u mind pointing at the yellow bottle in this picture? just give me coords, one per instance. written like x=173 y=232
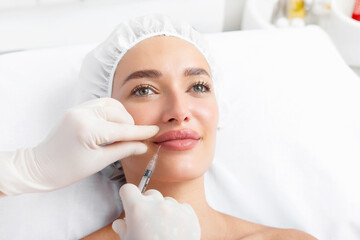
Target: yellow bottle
x=296 y=9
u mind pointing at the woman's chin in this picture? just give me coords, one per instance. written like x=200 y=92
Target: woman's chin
x=171 y=166
x=179 y=171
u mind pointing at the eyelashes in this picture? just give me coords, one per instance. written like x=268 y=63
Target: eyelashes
x=143 y=90
x=201 y=87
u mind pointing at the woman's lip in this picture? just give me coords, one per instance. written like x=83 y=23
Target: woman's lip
x=182 y=134
x=179 y=144
x=178 y=140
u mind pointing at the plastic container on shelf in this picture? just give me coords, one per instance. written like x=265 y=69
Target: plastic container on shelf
x=356 y=12
x=334 y=16
x=344 y=31
x=268 y=14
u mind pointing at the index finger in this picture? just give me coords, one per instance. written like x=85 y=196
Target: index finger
x=115 y=132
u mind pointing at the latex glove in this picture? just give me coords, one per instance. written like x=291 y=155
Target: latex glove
x=151 y=216
x=72 y=150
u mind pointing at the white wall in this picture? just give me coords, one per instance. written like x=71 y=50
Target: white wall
x=10 y=4
x=80 y=22
x=22 y=24
x=233 y=11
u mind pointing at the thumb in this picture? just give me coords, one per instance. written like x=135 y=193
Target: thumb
x=119 y=226
x=120 y=150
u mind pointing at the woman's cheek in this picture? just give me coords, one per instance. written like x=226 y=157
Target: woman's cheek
x=207 y=113
x=143 y=113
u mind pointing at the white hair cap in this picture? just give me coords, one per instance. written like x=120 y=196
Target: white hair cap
x=98 y=68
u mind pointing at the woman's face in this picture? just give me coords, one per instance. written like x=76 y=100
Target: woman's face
x=165 y=81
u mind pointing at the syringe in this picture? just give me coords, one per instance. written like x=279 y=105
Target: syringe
x=148 y=171
x=147 y=174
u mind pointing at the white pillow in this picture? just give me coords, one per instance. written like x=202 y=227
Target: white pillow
x=36 y=87
x=287 y=156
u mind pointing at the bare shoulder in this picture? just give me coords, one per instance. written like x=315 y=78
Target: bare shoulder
x=245 y=230
x=278 y=234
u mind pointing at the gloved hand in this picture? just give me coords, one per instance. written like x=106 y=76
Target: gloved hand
x=151 y=216
x=72 y=150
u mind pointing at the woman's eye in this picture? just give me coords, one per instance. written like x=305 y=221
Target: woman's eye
x=200 y=87
x=143 y=90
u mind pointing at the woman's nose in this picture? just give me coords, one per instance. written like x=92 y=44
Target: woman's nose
x=176 y=110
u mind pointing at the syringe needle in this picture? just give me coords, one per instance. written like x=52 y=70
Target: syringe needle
x=148 y=171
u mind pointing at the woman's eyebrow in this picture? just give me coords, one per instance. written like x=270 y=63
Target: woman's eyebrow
x=195 y=72
x=143 y=74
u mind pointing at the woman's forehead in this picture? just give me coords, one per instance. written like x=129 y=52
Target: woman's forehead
x=161 y=49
